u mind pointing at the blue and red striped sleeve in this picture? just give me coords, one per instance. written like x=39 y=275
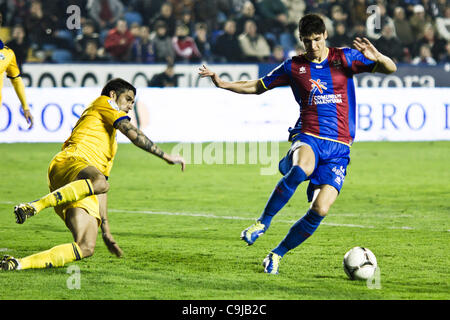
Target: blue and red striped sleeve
x=357 y=62
x=278 y=77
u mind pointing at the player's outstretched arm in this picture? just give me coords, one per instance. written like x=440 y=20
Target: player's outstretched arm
x=385 y=64
x=140 y=140
x=19 y=87
x=108 y=239
x=243 y=87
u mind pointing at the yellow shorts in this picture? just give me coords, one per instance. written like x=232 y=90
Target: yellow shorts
x=63 y=169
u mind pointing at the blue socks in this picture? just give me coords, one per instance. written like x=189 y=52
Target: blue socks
x=299 y=232
x=282 y=193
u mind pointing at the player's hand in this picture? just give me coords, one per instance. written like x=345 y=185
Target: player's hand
x=205 y=72
x=170 y=159
x=111 y=244
x=366 y=48
x=29 y=118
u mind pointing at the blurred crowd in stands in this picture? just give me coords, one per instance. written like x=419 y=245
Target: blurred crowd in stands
x=218 y=31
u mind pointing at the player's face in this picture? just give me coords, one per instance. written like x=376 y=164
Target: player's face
x=315 y=45
x=125 y=101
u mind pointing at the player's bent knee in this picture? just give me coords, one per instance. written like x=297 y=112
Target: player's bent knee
x=87 y=249
x=100 y=185
x=322 y=210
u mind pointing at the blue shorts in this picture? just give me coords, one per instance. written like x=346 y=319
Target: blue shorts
x=330 y=168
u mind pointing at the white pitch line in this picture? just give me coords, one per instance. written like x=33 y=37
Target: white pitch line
x=211 y=216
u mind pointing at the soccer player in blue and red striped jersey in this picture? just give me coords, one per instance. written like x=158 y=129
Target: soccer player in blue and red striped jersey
x=322 y=83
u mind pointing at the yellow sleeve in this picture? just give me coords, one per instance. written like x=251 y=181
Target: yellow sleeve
x=19 y=87
x=12 y=71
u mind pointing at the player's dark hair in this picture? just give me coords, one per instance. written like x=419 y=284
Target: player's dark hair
x=119 y=86
x=311 y=24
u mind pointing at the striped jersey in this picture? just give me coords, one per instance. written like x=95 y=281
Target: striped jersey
x=324 y=90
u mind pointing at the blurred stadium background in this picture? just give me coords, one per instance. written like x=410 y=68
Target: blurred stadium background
x=156 y=43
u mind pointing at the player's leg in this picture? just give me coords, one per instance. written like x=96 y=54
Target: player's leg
x=325 y=196
x=89 y=181
x=84 y=230
x=303 y=160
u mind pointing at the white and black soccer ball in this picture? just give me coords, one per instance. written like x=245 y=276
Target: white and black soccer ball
x=360 y=263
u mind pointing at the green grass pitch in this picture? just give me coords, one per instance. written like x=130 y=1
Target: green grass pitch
x=180 y=231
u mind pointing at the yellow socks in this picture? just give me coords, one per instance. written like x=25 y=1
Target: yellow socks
x=55 y=257
x=71 y=192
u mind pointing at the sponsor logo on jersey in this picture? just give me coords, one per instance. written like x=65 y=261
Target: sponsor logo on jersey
x=317 y=95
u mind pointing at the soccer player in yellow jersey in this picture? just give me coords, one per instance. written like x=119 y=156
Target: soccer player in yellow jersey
x=8 y=64
x=77 y=178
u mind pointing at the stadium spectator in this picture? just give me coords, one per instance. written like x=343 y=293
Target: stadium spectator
x=105 y=13
x=337 y=15
x=165 y=79
x=274 y=13
x=206 y=11
x=227 y=47
x=278 y=55
x=142 y=50
x=425 y=57
x=19 y=44
x=92 y=53
x=118 y=42
x=403 y=28
x=162 y=44
x=179 y=7
x=188 y=20
x=254 y=47
x=202 y=42
x=340 y=38
x=275 y=28
x=418 y=20
x=436 y=45
x=135 y=29
x=40 y=28
x=247 y=13
x=87 y=34
x=443 y=24
x=166 y=15
x=295 y=10
x=147 y=9
x=389 y=45
x=185 y=48
x=358 y=12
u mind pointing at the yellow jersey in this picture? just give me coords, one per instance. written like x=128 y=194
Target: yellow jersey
x=8 y=64
x=94 y=135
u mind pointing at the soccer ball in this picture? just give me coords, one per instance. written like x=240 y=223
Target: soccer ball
x=360 y=263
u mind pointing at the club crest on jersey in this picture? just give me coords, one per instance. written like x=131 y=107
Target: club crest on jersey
x=302 y=70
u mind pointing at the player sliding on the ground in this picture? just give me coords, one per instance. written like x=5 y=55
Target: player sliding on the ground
x=78 y=176
x=322 y=84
